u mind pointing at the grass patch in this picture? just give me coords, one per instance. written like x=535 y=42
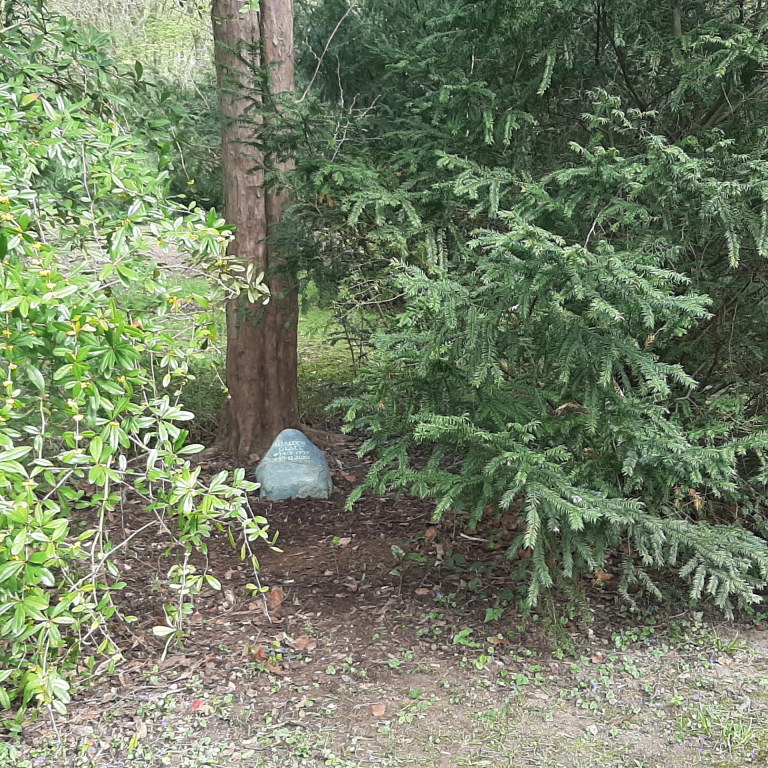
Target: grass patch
x=326 y=368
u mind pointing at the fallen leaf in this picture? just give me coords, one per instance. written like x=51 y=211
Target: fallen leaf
x=141 y=728
x=274 y=669
x=350 y=478
x=260 y=653
x=598 y=658
x=760 y=627
x=228 y=575
x=86 y=716
x=430 y=533
x=724 y=660
x=305 y=644
x=378 y=710
x=196 y=705
x=560 y=408
x=422 y=591
x=345 y=542
x=601 y=577
x=275 y=598
x=327 y=573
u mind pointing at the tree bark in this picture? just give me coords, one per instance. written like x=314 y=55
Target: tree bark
x=261 y=362
x=677 y=18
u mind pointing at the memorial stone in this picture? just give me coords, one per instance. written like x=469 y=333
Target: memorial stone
x=294 y=468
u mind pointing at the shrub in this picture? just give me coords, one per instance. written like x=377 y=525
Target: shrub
x=83 y=419
x=559 y=211
x=533 y=366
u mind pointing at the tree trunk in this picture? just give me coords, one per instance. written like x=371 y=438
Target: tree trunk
x=677 y=18
x=261 y=339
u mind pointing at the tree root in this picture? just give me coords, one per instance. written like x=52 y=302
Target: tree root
x=323 y=439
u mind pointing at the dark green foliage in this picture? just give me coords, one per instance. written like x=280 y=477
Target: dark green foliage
x=194 y=150
x=564 y=203
x=553 y=215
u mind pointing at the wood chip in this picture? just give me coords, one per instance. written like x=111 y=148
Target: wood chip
x=141 y=728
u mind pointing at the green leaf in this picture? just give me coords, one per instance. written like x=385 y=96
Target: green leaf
x=15 y=453
x=10 y=568
x=36 y=377
x=96 y=447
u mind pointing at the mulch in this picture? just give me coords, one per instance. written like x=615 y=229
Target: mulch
x=371 y=587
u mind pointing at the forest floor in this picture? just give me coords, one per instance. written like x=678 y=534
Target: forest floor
x=390 y=642
x=362 y=657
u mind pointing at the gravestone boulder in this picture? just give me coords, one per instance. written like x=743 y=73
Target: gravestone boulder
x=294 y=468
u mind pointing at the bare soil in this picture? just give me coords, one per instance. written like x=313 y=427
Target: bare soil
x=365 y=655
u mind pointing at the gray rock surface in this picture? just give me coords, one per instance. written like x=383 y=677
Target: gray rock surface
x=294 y=468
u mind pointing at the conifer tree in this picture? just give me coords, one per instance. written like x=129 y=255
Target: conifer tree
x=563 y=205
x=261 y=337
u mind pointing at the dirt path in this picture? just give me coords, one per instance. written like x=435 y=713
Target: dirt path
x=369 y=658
